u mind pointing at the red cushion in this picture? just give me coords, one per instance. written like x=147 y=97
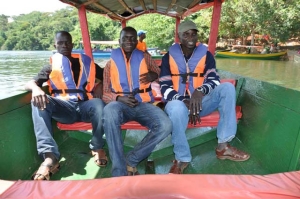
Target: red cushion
x=233 y=81
x=209 y=120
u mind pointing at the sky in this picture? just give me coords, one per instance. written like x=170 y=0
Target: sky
x=17 y=7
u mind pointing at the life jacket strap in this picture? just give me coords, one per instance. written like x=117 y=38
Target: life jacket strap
x=185 y=75
x=59 y=91
x=136 y=91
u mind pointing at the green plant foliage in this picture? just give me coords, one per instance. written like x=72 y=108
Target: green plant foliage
x=277 y=18
x=239 y=19
x=160 y=29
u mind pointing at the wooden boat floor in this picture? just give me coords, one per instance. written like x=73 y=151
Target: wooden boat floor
x=78 y=164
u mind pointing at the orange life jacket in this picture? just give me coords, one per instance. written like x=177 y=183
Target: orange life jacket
x=187 y=76
x=61 y=82
x=125 y=76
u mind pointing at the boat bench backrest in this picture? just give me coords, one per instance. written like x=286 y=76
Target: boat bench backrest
x=210 y=120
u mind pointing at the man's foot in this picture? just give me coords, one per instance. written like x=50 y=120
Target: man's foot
x=178 y=167
x=100 y=157
x=49 y=167
x=132 y=171
x=231 y=153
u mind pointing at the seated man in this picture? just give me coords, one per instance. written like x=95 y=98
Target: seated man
x=127 y=92
x=190 y=84
x=71 y=101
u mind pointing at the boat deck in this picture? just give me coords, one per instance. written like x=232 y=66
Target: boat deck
x=268 y=130
x=77 y=163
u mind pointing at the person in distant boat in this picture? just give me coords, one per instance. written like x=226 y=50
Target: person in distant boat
x=273 y=49
x=128 y=94
x=71 y=80
x=141 y=43
x=191 y=87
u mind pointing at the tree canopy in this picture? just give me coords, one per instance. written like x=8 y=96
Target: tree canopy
x=239 y=19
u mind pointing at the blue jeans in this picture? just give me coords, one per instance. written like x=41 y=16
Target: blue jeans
x=221 y=98
x=66 y=112
x=148 y=115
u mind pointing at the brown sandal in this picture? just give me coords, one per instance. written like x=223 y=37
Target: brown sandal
x=235 y=155
x=178 y=167
x=100 y=157
x=132 y=171
x=45 y=171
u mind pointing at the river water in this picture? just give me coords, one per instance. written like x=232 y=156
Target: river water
x=18 y=67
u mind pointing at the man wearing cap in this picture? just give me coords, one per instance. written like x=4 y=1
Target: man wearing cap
x=191 y=86
x=141 y=44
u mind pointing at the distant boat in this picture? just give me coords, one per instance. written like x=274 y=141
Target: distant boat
x=106 y=53
x=259 y=56
x=97 y=53
x=270 y=56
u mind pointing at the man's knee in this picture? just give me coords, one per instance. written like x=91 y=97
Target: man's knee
x=227 y=87
x=175 y=107
x=112 y=106
x=112 y=110
x=98 y=104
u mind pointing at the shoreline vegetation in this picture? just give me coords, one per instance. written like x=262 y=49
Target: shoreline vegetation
x=34 y=31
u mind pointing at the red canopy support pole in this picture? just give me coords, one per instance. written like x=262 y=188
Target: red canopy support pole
x=123 y=23
x=214 y=28
x=85 y=31
x=176 y=40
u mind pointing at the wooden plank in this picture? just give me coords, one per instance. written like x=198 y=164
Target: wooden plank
x=126 y=7
x=143 y=4
x=108 y=11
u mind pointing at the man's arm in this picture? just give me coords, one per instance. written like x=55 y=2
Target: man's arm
x=211 y=77
x=152 y=67
x=99 y=72
x=39 y=97
x=165 y=80
x=108 y=95
x=39 y=79
x=98 y=89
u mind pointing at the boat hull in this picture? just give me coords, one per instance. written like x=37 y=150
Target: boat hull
x=271 y=56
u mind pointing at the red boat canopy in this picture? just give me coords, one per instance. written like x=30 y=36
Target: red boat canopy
x=123 y=11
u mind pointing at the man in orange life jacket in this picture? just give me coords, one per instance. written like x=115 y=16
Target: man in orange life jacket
x=71 y=79
x=127 y=92
x=141 y=43
x=190 y=84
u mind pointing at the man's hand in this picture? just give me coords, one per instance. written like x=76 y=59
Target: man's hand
x=192 y=118
x=187 y=103
x=148 y=77
x=39 y=98
x=98 y=90
x=128 y=100
x=195 y=107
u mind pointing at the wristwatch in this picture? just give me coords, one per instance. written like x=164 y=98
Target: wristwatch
x=201 y=89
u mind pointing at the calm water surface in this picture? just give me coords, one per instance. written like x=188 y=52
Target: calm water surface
x=18 y=67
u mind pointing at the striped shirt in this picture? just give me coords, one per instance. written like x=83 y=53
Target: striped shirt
x=211 y=78
x=108 y=95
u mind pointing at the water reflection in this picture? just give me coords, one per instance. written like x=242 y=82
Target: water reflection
x=283 y=73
